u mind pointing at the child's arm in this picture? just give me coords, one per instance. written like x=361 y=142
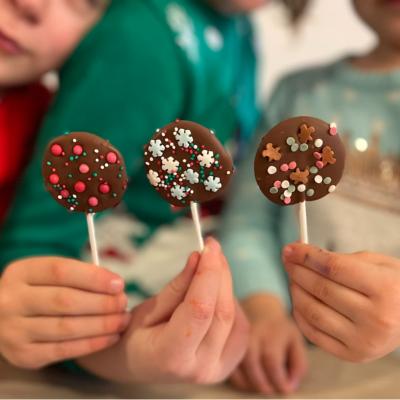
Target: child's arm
x=251 y=237
x=193 y=331
x=348 y=304
x=52 y=309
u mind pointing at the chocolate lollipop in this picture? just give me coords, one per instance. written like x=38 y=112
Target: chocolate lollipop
x=187 y=165
x=300 y=159
x=84 y=173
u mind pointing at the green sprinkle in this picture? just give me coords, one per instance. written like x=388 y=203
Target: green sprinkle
x=310 y=192
x=90 y=210
x=122 y=168
x=292 y=188
x=84 y=153
x=313 y=170
x=304 y=147
x=94 y=174
x=217 y=156
x=290 y=141
x=69 y=175
x=71 y=158
x=48 y=163
x=327 y=180
x=274 y=190
x=294 y=147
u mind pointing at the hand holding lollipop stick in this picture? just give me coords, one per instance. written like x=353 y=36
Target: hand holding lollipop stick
x=84 y=173
x=301 y=159
x=187 y=165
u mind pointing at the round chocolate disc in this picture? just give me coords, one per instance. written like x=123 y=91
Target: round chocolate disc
x=185 y=162
x=83 y=172
x=300 y=159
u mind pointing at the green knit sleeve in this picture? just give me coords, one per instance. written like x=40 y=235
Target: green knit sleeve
x=114 y=85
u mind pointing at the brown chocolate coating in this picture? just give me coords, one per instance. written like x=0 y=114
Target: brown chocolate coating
x=300 y=159
x=84 y=172
x=185 y=162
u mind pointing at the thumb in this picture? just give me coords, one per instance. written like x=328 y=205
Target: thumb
x=173 y=294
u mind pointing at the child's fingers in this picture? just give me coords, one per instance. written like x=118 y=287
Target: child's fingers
x=237 y=343
x=49 y=353
x=53 y=271
x=224 y=316
x=238 y=379
x=53 y=301
x=192 y=319
x=256 y=374
x=343 y=269
x=173 y=294
x=274 y=364
x=297 y=362
x=58 y=329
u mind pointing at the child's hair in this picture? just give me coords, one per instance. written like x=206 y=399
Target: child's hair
x=295 y=8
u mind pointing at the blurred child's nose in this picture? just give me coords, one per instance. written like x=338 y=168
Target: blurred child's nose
x=31 y=10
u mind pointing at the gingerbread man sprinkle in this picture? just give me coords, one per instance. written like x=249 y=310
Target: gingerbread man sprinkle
x=273 y=153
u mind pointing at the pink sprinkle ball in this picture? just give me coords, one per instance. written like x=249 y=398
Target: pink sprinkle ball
x=333 y=130
x=93 y=201
x=104 y=188
x=292 y=165
x=64 y=193
x=54 y=179
x=84 y=168
x=79 y=187
x=111 y=157
x=284 y=168
x=319 y=164
x=287 y=200
x=277 y=184
x=317 y=155
x=56 y=150
x=77 y=150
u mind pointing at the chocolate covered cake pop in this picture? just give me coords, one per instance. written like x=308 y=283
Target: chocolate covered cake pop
x=84 y=172
x=186 y=163
x=300 y=159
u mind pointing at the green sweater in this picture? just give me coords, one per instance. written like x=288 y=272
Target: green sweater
x=364 y=211
x=145 y=64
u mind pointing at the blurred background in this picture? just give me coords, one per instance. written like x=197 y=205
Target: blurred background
x=328 y=30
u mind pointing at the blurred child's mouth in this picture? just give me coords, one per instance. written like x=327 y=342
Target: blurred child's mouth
x=9 y=45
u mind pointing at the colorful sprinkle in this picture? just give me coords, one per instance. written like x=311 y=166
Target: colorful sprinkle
x=290 y=141
x=278 y=184
x=284 y=168
x=294 y=147
x=273 y=190
x=93 y=201
x=319 y=164
x=328 y=180
x=287 y=200
x=304 y=147
x=318 y=179
x=104 y=188
x=54 y=179
x=285 y=184
x=332 y=129
x=292 y=188
x=332 y=188
x=318 y=143
x=79 y=187
x=301 y=188
x=111 y=157
x=77 y=150
x=292 y=165
x=313 y=169
x=317 y=155
x=310 y=192
x=56 y=150
x=84 y=168
x=272 y=170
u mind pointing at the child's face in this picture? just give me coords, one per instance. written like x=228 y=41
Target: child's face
x=237 y=6
x=383 y=16
x=37 y=36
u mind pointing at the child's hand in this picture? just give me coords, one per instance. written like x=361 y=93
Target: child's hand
x=347 y=304
x=52 y=309
x=193 y=331
x=276 y=359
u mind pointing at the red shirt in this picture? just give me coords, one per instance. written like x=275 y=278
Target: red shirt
x=21 y=111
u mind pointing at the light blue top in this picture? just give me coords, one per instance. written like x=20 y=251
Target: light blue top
x=364 y=213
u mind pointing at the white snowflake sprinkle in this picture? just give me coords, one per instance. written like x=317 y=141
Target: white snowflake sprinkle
x=184 y=137
x=156 y=147
x=153 y=177
x=191 y=176
x=170 y=165
x=206 y=158
x=178 y=192
x=213 y=184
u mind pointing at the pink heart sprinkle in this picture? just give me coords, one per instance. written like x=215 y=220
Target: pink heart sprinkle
x=287 y=200
x=317 y=155
x=277 y=184
x=319 y=164
x=333 y=130
x=292 y=165
x=284 y=167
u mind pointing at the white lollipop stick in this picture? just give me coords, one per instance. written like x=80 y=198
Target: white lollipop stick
x=92 y=238
x=302 y=210
x=197 y=225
